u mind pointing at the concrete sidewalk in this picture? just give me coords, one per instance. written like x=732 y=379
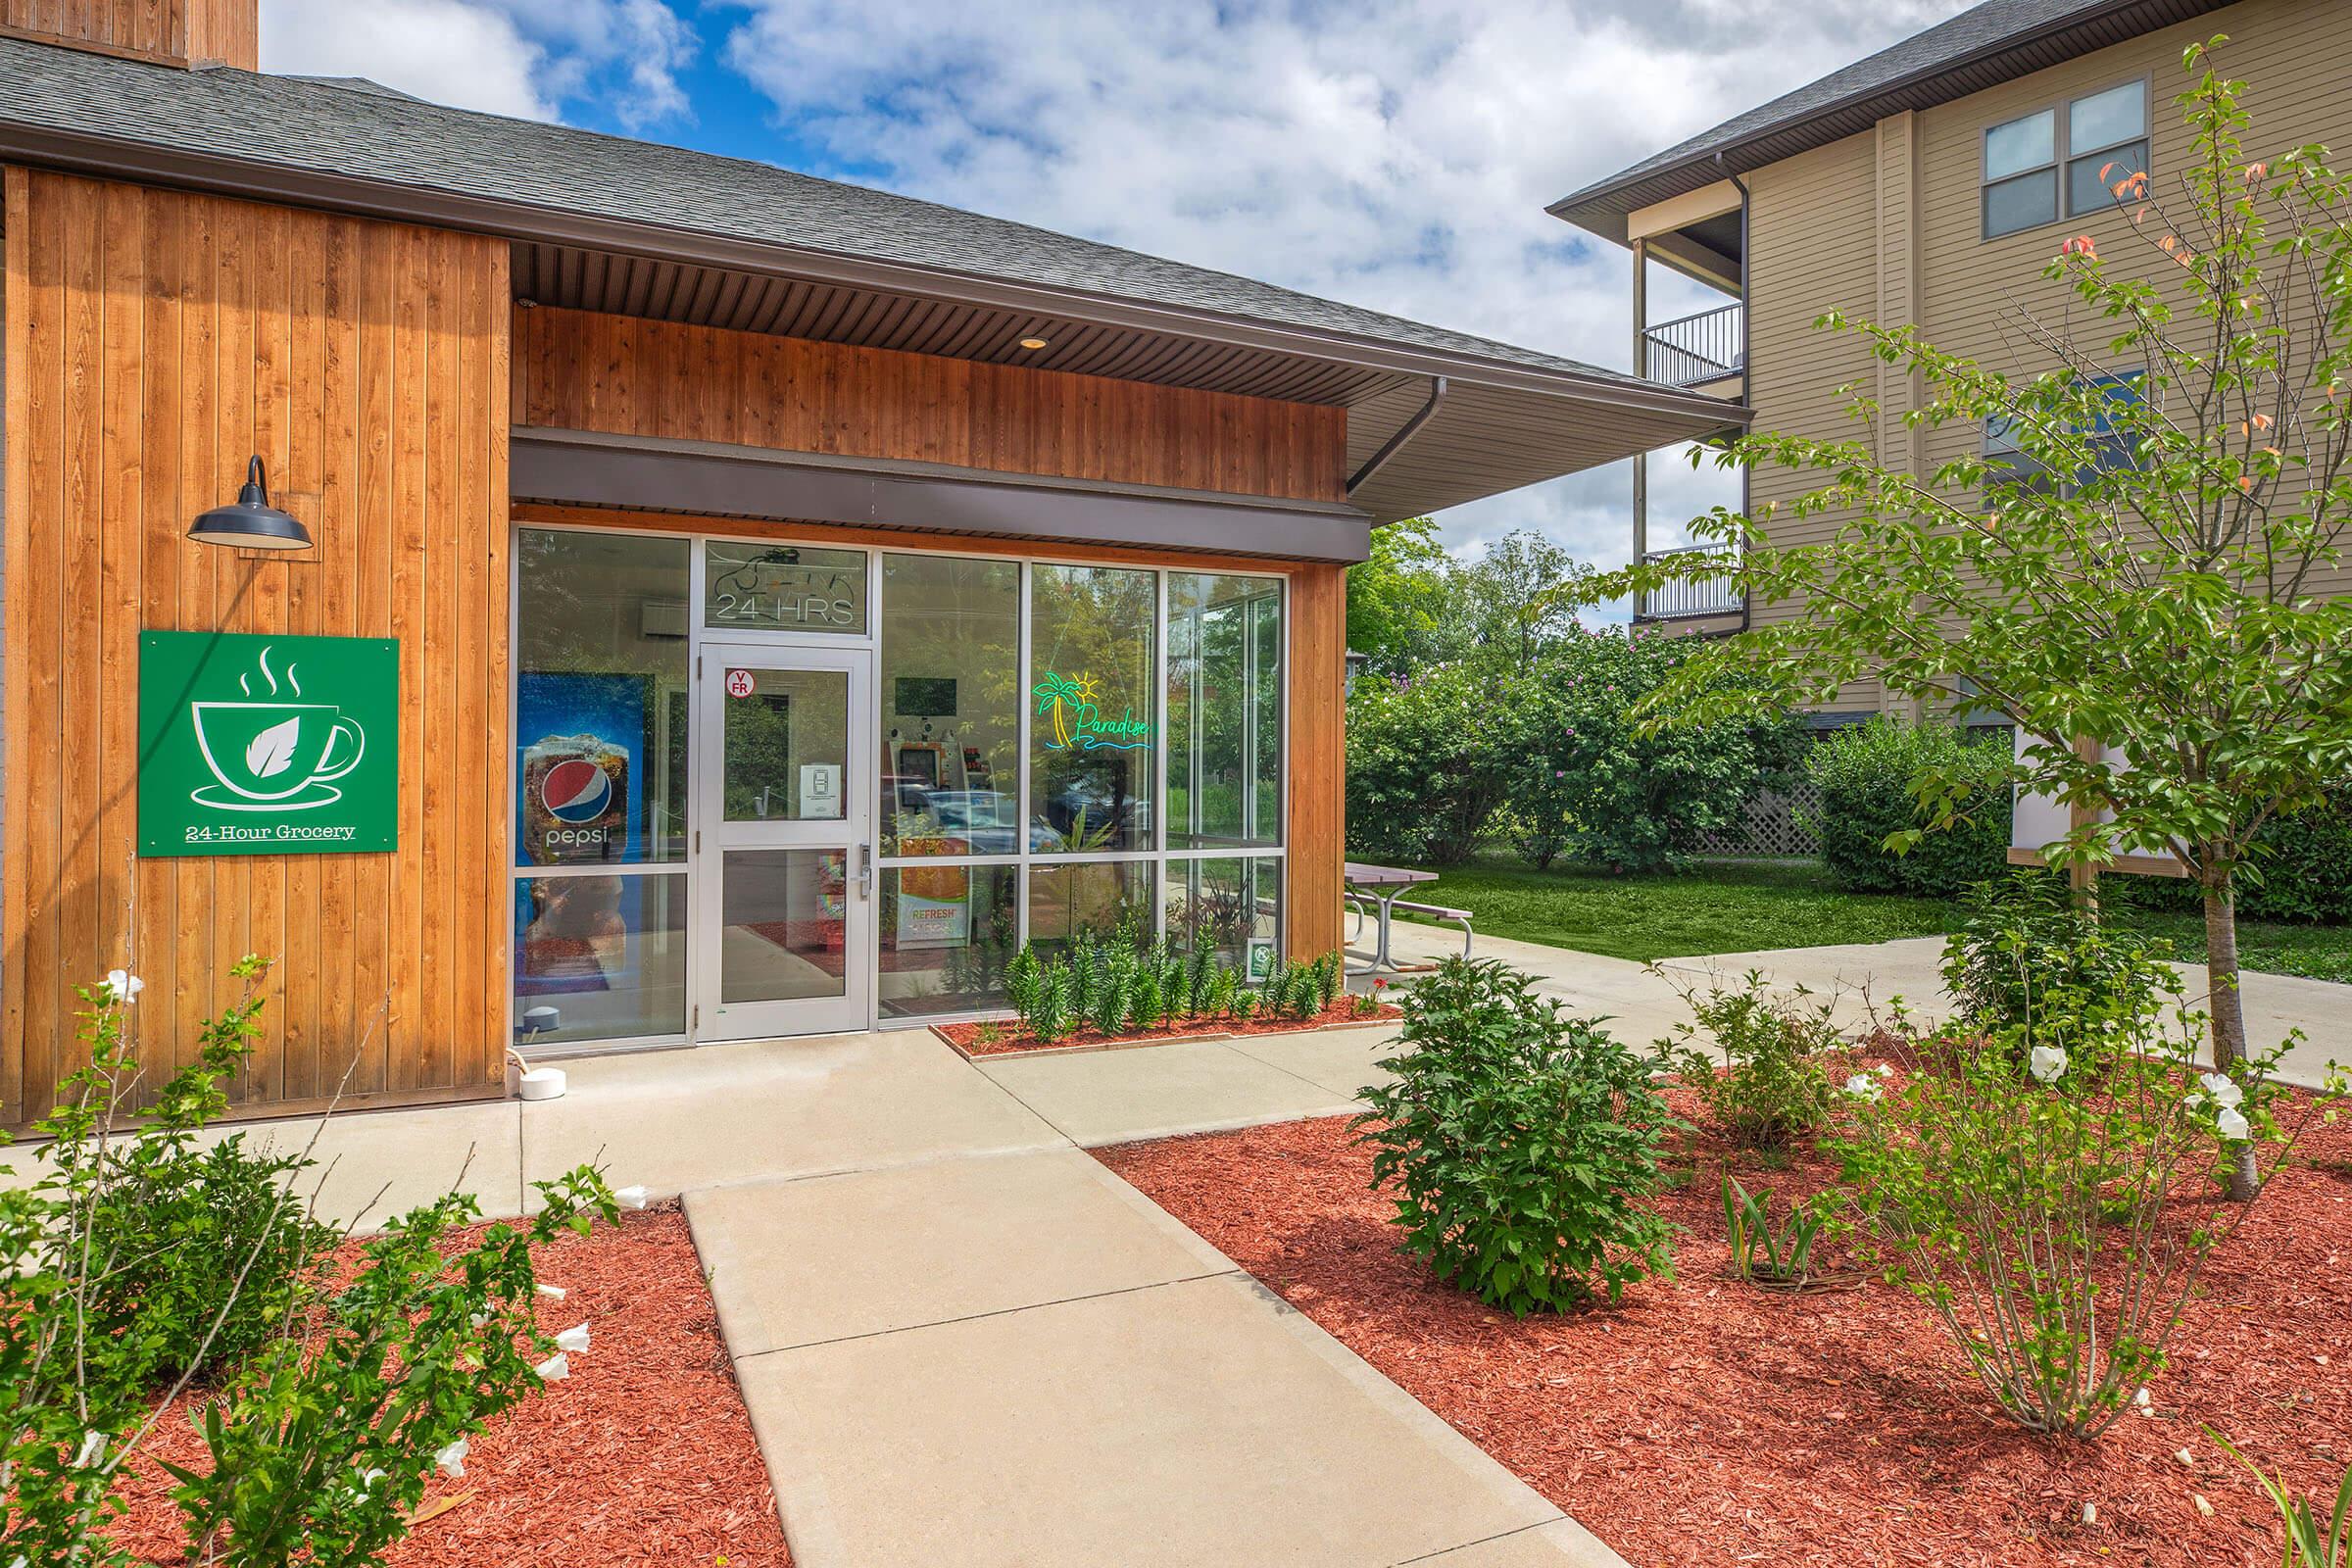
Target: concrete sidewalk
x=1645 y=1002
x=1018 y=1360
x=964 y=1342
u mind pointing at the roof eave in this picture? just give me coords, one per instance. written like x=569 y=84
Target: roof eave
x=152 y=163
x=1723 y=159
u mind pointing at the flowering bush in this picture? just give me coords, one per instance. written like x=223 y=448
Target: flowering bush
x=341 y=1397
x=2049 y=1191
x=1521 y=1143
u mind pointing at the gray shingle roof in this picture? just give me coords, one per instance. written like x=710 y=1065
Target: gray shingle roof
x=361 y=131
x=1992 y=42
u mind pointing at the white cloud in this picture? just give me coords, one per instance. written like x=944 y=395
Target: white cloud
x=1395 y=153
x=509 y=57
x=447 y=50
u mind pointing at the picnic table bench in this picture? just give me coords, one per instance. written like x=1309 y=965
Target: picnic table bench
x=1386 y=885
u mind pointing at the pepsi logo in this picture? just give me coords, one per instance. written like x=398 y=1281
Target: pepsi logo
x=575 y=791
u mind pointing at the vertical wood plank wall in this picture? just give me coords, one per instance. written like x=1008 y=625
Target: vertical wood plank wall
x=1318 y=760
x=173 y=32
x=155 y=340
x=624 y=376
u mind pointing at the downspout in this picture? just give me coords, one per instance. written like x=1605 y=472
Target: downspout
x=1748 y=338
x=1404 y=432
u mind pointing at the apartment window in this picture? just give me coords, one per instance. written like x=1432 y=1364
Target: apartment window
x=2021 y=173
x=2107 y=131
x=2109 y=444
x=2029 y=158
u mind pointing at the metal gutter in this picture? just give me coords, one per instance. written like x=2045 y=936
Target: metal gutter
x=1404 y=432
x=117 y=158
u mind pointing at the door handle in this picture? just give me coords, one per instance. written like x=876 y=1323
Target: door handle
x=865 y=871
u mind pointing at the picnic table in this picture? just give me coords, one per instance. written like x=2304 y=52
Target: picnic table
x=1386 y=884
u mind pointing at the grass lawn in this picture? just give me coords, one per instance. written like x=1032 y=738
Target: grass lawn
x=1742 y=908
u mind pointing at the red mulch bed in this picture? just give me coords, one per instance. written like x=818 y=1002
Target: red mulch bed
x=966 y=1037
x=643 y=1456
x=1708 y=1422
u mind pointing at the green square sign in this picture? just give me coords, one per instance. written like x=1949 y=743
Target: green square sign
x=268 y=745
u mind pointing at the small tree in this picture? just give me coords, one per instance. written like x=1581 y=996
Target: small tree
x=2149 y=570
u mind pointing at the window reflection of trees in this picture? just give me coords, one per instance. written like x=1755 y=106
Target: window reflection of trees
x=1093 y=626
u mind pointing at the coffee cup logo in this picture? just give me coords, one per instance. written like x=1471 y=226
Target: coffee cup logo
x=270 y=754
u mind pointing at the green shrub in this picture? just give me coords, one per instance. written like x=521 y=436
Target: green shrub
x=1867 y=776
x=1600 y=787
x=2299 y=871
x=331 y=1399
x=1778 y=1056
x=2044 y=1200
x=1521 y=1143
x=1022 y=981
x=1432 y=756
x=2020 y=942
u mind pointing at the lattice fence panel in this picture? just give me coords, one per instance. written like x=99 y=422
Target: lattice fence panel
x=1769 y=826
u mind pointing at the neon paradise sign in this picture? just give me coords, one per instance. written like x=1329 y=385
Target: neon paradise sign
x=1078 y=724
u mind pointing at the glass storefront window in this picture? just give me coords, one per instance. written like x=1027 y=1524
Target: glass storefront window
x=783 y=587
x=950 y=708
x=1092 y=727
x=600 y=699
x=948 y=932
x=1231 y=909
x=599 y=958
x=787 y=745
x=782 y=924
x=605 y=630
x=1224 y=710
x=1110 y=899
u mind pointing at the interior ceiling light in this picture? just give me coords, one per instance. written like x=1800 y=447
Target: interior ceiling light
x=1032 y=342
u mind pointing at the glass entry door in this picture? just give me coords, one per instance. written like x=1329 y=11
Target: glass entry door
x=784 y=859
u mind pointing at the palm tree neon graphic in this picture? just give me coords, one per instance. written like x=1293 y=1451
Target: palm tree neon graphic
x=1077 y=725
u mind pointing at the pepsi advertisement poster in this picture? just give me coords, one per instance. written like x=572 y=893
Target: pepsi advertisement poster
x=583 y=743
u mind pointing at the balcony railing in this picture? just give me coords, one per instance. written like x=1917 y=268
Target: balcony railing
x=1692 y=598
x=1702 y=348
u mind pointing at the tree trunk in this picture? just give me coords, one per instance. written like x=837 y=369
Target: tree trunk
x=2228 y=1008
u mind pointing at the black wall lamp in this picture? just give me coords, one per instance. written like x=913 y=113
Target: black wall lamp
x=252 y=522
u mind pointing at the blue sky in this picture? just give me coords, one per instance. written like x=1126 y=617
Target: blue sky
x=1393 y=153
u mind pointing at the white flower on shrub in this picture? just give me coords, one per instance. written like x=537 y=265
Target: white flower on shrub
x=553 y=1293
x=2232 y=1125
x=555 y=1370
x=1862 y=1086
x=120 y=985
x=451 y=1459
x=1884 y=1069
x=93 y=1449
x=2223 y=1089
x=2047 y=1063
x=632 y=1197
x=574 y=1339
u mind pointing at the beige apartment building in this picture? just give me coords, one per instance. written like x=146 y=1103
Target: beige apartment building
x=1929 y=183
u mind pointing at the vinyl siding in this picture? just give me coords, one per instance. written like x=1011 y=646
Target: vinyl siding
x=1816 y=254
x=1887 y=225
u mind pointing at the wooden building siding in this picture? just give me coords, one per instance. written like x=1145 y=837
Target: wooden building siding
x=1314 y=832
x=155 y=340
x=175 y=32
x=1887 y=227
x=627 y=376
